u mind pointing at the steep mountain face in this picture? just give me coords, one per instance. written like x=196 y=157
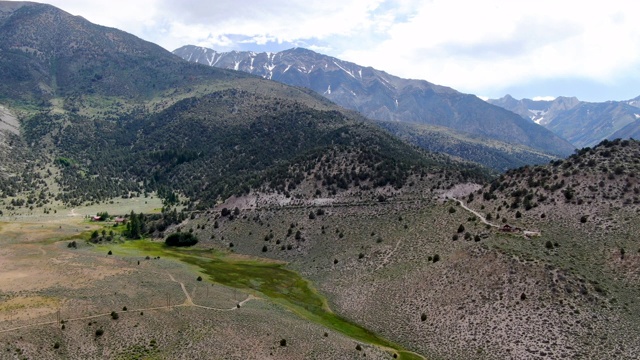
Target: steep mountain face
x=47 y=53
x=116 y=115
x=381 y=96
x=582 y=123
x=230 y=143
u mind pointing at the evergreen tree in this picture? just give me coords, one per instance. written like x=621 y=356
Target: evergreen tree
x=134 y=228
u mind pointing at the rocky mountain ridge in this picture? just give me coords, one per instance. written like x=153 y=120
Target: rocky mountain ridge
x=381 y=96
x=581 y=123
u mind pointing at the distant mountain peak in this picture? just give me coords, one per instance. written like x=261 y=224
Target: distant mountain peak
x=381 y=96
x=582 y=123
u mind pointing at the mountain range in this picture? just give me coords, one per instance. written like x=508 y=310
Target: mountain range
x=581 y=123
x=99 y=101
x=381 y=96
x=319 y=233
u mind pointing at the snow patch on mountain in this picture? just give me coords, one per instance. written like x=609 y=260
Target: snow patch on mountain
x=211 y=61
x=345 y=70
x=538 y=116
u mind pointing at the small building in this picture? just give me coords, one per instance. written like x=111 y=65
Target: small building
x=120 y=220
x=508 y=228
x=96 y=218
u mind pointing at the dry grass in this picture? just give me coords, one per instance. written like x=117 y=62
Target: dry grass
x=372 y=261
x=43 y=280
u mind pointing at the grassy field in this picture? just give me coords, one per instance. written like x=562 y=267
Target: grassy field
x=267 y=279
x=355 y=280
x=43 y=281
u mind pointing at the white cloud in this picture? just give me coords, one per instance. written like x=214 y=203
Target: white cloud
x=472 y=46
x=479 y=46
x=543 y=98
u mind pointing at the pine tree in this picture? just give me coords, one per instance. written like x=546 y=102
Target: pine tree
x=133 y=226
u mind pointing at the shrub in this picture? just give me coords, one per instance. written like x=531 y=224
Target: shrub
x=99 y=332
x=181 y=239
x=114 y=315
x=518 y=214
x=568 y=193
x=461 y=228
x=583 y=219
x=455 y=237
x=110 y=253
x=264 y=248
x=358 y=347
x=56 y=345
x=548 y=245
x=436 y=258
x=312 y=215
x=452 y=210
x=283 y=342
x=423 y=317
x=199 y=278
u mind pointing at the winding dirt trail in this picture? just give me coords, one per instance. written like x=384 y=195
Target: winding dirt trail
x=525 y=233
x=187 y=302
x=480 y=216
x=385 y=261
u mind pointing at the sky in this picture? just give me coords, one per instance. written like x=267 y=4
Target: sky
x=528 y=49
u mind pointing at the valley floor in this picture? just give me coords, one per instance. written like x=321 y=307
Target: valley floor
x=402 y=269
